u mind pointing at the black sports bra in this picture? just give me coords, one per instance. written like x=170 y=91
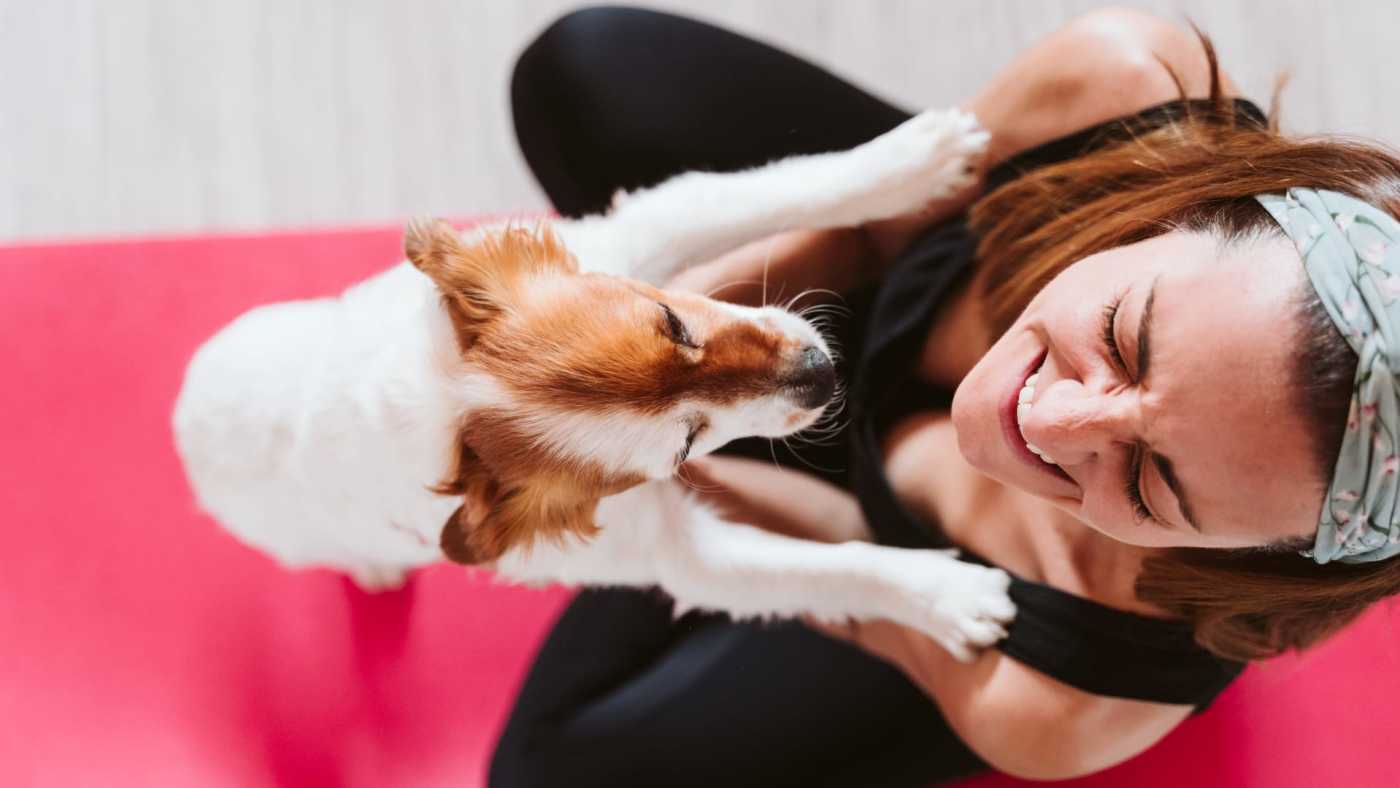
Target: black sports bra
x=1085 y=644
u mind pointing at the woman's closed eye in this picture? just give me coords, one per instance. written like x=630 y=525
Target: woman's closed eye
x=1133 y=490
x=1108 y=329
x=1132 y=487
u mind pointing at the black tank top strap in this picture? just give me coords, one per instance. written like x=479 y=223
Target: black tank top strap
x=1107 y=651
x=1087 y=645
x=1072 y=146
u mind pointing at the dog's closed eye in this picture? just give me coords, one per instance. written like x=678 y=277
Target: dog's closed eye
x=696 y=427
x=676 y=330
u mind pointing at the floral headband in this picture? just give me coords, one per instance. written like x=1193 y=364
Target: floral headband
x=1351 y=252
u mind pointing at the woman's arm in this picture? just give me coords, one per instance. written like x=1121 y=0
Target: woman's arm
x=1017 y=719
x=1103 y=65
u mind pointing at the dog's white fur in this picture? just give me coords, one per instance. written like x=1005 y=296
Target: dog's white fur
x=312 y=430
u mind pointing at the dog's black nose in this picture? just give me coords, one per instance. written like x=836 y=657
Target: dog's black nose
x=814 y=379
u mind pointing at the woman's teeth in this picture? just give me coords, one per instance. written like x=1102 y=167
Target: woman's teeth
x=1023 y=406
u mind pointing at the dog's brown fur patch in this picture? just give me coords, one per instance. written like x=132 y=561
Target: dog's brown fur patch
x=520 y=495
x=479 y=279
x=597 y=343
x=560 y=340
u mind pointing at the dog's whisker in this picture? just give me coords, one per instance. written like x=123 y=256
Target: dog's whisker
x=817 y=291
x=819 y=311
x=797 y=298
x=827 y=429
x=773 y=452
x=692 y=484
x=806 y=461
x=827 y=310
x=823 y=431
x=736 y=283
x=825 y=436
x=820 y=428
x=823 y=304
x=828 y=291
x=767 y=259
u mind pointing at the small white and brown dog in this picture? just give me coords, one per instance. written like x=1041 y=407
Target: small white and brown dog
x=522 y=399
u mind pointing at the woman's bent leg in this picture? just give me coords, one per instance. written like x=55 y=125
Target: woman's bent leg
x=621 y=696
x=619 y=98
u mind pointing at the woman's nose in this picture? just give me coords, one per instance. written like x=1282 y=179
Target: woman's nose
x=1070 y=422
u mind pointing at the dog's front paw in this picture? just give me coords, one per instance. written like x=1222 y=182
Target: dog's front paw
x=928 y=157
x=964 y=607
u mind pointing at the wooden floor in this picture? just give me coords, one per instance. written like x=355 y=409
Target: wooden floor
x=139 y=116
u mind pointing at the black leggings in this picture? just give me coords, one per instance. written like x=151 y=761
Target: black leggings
x=621 y=694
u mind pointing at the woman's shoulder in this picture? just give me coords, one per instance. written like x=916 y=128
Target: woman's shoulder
x=1102 y=66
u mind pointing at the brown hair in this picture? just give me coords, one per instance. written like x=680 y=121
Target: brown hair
x=1200 y=173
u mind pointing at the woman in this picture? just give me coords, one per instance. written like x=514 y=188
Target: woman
x=1184 y=398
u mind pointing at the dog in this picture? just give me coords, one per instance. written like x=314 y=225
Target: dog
x=522 y=398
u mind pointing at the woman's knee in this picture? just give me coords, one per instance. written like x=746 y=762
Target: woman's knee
x=572 y=54
x=564 y=94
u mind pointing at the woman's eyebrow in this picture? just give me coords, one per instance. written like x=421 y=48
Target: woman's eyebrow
x=1144 y=356
x=1144 y=343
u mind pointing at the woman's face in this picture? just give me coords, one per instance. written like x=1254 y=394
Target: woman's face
x=1188 y=407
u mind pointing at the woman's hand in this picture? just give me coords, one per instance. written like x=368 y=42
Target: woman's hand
x=776 y=499
x=916 y=655
x=1017 y=719
x=778 y=268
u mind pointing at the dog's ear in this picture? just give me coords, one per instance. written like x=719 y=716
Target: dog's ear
x=431 y=245
x=490 y=521
x=459 y=540
x=477 y=278
x=471 y=292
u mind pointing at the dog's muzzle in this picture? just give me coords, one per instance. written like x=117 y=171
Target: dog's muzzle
x=813 y=379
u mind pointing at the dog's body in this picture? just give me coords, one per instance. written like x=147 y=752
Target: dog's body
x=316 y=430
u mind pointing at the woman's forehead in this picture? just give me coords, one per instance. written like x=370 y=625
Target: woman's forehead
x=1220 y=398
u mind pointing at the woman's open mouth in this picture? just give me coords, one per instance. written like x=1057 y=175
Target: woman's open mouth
x=1010 y=423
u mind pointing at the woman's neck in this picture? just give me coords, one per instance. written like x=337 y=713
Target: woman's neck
x=1055 y=547
x=958 y=339
x=1075 y=557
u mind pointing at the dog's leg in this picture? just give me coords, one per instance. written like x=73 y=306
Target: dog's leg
x=622 y=553
x=655 y=534
x=713 y=564
x=653 y=234
x=375 y=578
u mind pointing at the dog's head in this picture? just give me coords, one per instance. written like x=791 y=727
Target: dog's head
x=583 y=385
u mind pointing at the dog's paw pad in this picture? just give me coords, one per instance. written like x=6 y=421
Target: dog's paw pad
x=931 y=156
x=963 y=606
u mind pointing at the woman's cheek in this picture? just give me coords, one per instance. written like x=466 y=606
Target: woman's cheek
x=1110 y=524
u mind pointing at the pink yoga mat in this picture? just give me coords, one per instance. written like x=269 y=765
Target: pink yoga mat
x=140 y=645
